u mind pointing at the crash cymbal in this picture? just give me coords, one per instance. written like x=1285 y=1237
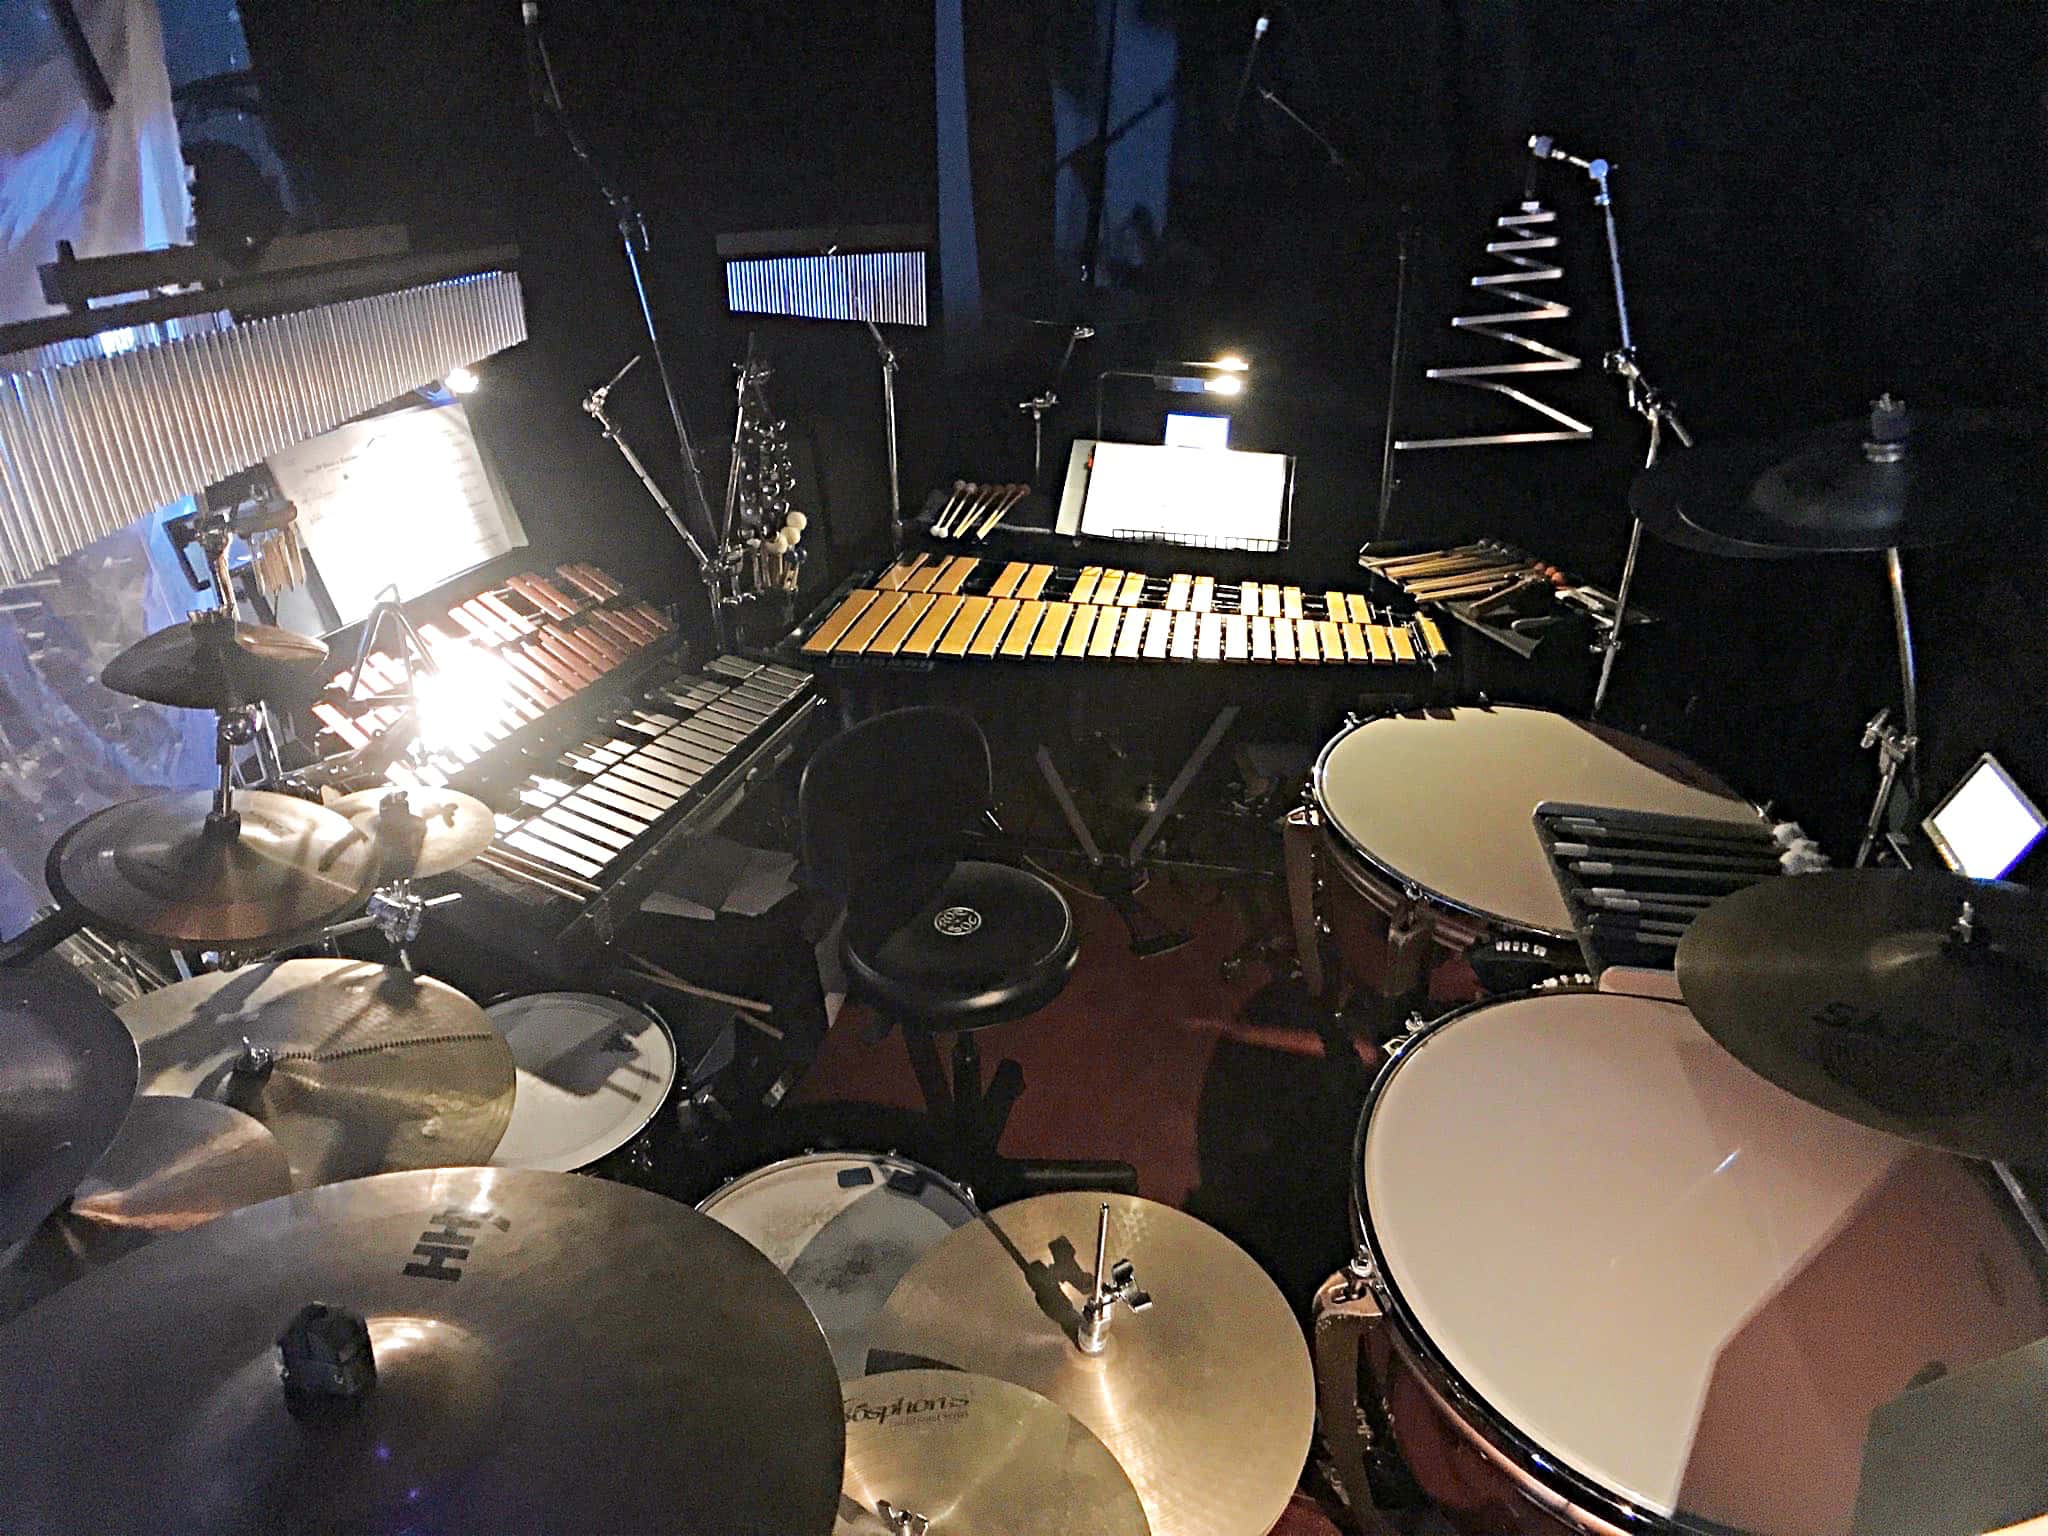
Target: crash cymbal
x=419 y=832
x=976 y=1457
x=1204 y=1397
x=176 y=1163
x=155 y=868
x=1896 y=480
x=1908 y=1001
x=371 y=1068
x=550 y=1352
x=210 y=662
x=67 y=1077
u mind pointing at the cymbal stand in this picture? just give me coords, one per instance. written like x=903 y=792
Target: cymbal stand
x=1897 y=746
x=1039 y=405
x=1647 y=401
x=890 y=367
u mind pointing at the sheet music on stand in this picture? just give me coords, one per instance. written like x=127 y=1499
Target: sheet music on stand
x=401 y=499
x=1206 y=498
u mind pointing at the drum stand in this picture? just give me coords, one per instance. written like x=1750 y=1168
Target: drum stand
x=1898 y=745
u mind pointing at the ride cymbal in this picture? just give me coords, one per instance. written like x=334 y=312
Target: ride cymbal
x=69 y=1076
x=176 y=1163
x=1908 y=1001
x=210 y=662
x=158 y=868
x=1892 y=481
x=419 y=832
x=357 y=1068
x=545 y=1352
x=976 y=1457
x=1205 y=1397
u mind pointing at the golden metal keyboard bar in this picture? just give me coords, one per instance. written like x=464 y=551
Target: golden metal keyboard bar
x=940 y=607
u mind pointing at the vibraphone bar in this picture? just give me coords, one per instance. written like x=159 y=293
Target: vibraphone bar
x=941 y=607
x=602 y=800
x=525 y=649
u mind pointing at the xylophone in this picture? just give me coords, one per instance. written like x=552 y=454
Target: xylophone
x=943 y=608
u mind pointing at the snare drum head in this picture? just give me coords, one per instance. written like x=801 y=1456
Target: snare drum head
x=1446 y=800
x=845 y=1227
x=591 y=1072
x=1661 y=1271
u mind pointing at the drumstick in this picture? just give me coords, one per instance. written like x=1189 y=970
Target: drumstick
x=1673 y=908
x=1657 y=872
x=1736 y=832
x=669 y=978
x=1675 y=858
x=1654 y=940
x=1017 y=494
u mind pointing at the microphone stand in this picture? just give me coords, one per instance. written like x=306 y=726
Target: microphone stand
x=633 y=236
x=1647 y=401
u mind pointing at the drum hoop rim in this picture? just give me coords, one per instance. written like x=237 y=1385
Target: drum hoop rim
x=676 y=1074
x=1477 y=1414
x=1346 y=843
x=783 y=1164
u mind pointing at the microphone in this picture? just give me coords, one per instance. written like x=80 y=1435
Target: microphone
x=1544 y=147
x=536 y=68
x=1251 y=60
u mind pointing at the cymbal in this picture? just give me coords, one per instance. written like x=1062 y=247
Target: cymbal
x=69 y=1078
x=1858 y=991
x=976 y=1457
x=1205 y=1397
x=209 y=662
x=550 y=1351
x=1897 y=480
x=419 y=832
x=374 y=1070
x=154 y=868
x=177 y=1163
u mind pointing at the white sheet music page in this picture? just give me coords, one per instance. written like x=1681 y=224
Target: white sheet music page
x=1217 y=497
x=401 y=498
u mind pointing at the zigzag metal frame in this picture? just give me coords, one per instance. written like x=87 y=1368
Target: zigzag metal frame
x=1527 y=269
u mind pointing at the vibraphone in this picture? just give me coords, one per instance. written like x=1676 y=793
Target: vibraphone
x=945 y=608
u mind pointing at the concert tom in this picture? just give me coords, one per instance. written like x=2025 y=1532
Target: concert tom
x=1426 y=840
x=590 y=1074
x=1610 y=1280
x=845 y=1227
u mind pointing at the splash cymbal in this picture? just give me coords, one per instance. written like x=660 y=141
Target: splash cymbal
x=1871 y=994
x=210 y=662
x=419 y=832
x=69 y=1077
x=549 y=1351
x=156 y=868
x=371 y=1069
x=176 y=1163
x=976 y=1457
x=1205 y=1397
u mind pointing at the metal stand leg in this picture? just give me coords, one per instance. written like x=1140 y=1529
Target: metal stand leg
x=1897 y=749
x=1225 y=718
x=1610 y=643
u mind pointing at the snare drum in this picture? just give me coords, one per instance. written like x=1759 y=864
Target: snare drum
x=1431 y=815
x=1628 y=1285
x=845 y=1227
x=591 y=1073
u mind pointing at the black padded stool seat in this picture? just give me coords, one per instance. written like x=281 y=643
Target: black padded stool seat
x=992 y=944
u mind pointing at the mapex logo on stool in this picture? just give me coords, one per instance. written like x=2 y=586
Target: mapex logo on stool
x=957 y=922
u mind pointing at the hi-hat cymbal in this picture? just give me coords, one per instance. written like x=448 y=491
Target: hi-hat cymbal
x=419 y=832
x=210 y=662
x=177 y=1163
x=372 y=1069
x=1908 y=1001
x=551 y=1352
x=155 y=868
x=976 y=1457
x=1894 y=481
x=67 y=1077
x=1205 y=1397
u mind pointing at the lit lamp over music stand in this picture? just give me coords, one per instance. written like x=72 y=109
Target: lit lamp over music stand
x=872 y=276
x=1217 y=376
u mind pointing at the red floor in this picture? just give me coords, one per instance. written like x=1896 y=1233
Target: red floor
x=1117 y=1066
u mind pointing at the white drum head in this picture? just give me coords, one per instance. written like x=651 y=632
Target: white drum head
x=845 y=1227
x=1665 y=1273
x=591 y=1072
x=1446 y=800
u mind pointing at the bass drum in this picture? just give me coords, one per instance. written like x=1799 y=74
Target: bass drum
x=845 y=1227
x=1625 y=1284
x=591 y=1073
x=1430 y=815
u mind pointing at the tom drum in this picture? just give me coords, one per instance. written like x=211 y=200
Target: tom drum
x=591 y=1073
